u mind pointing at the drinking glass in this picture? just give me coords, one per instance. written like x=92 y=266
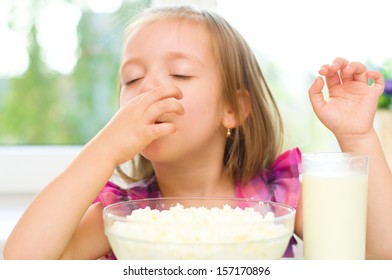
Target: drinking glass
x=334 y=197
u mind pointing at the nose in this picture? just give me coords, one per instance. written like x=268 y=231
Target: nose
x=152 y=80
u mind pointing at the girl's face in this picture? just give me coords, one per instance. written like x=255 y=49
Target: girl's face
x=178 y=53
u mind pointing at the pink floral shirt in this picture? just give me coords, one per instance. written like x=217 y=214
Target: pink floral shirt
x=279 y=184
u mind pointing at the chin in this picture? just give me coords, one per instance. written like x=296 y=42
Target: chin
x=156 y=152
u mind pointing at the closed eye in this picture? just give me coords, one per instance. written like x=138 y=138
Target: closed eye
x=133 y=81
x=181 y=77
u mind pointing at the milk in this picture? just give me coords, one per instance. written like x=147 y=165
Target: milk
x=334 y=211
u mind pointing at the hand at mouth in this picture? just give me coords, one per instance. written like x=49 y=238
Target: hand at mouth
x=162 y=119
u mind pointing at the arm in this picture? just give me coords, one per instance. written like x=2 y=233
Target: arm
x=349 y=114
x=44 y=230
x=51 y=226
x=298 y=225
x=89 y=240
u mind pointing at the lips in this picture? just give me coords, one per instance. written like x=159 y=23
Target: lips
x=158 y=121
x=162 y=119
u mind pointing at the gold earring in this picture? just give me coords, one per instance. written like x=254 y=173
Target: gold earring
x=228 y=134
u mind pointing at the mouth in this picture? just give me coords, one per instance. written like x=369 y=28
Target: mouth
x=162 y=120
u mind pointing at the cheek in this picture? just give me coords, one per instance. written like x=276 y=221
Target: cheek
x=201 y=109
x=125 y=96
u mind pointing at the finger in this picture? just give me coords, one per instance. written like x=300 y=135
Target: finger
x=378 y=80
x=354 y=71
x=165 y=107
x=332 y=78
x=152 y=132
x=338 y=64
x=163 y=92
x=324 y=70
x=147 y=98
x=316 y=95
x=331 y=73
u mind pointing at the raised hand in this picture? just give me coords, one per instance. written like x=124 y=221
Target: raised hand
x=351 y=104
x=136 y=124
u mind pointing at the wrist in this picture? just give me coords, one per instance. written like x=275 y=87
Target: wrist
x=357 y=142
x=99 y=153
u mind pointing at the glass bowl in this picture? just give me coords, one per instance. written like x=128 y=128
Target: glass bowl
x=198 y=228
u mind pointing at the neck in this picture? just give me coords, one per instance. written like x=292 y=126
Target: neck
x=193 y=180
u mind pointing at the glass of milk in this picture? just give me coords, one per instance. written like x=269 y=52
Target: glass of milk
x=334 y=197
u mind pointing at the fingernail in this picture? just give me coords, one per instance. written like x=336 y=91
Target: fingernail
x=334 y=65
x=347 y=68
x=322 y=69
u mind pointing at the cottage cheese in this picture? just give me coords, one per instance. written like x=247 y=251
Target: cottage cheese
x=199 y=233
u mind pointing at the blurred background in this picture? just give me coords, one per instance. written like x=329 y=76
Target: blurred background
x=59 y=63
x=59 y=60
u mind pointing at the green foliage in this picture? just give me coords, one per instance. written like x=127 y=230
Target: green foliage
x=385 y=100
x=46 y=107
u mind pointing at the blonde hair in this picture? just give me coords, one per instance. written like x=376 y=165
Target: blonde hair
x=257 y=141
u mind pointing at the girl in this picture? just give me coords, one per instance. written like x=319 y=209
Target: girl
x=198 y=117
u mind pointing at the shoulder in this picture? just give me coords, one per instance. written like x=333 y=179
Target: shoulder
x=288 y=164
x=279 y=183
x=284 y=177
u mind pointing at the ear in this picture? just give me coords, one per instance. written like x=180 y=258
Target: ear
x=230 y=118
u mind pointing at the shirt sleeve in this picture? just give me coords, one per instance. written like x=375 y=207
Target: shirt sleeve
x=110 y=194
x=283 y=178
x=279 y=184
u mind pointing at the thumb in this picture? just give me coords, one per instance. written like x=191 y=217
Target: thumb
x=315 y=94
